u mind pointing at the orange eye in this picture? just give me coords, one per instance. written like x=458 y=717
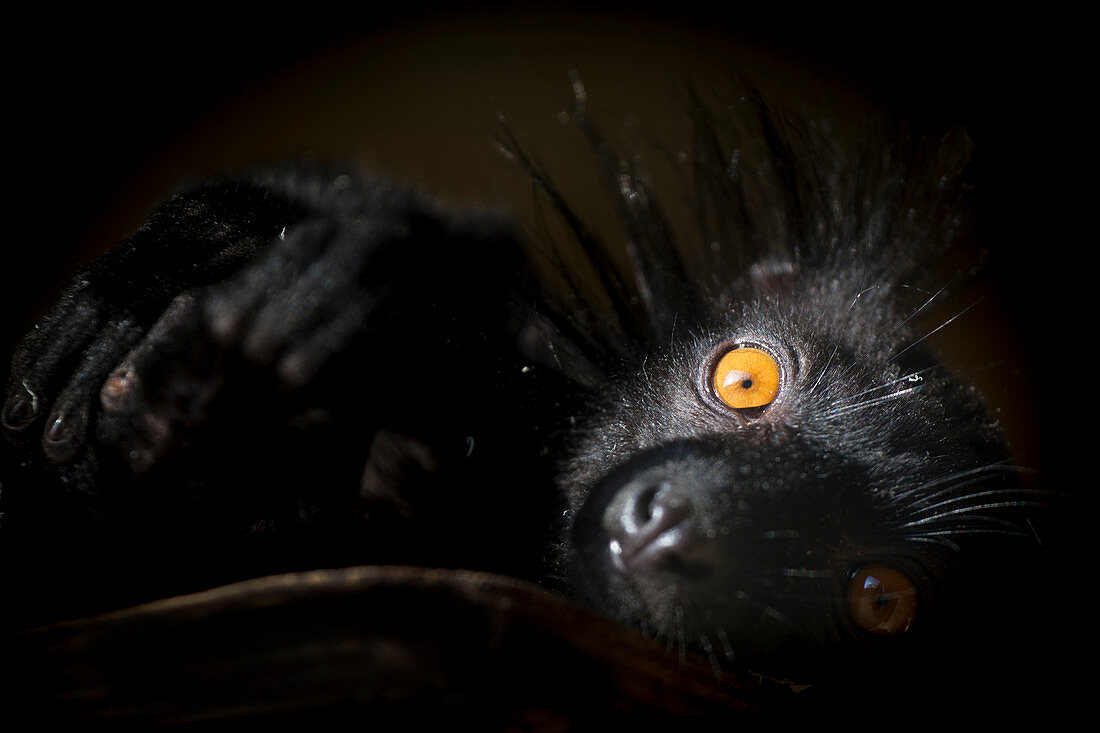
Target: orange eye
x=882 y=600
x=746 y=378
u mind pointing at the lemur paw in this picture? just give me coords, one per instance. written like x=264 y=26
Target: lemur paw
x=57 y=371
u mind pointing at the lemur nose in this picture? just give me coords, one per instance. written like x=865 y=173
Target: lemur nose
x=649 y=524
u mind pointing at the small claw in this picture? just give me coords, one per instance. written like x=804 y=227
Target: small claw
x=65 y=435
x=19 y=412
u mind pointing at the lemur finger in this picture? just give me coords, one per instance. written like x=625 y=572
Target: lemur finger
x=119 y=392
x=231 y=306
x=320 y=293
x=67 y=424
x=303 y=359
x=165 y=379
x=62 y=332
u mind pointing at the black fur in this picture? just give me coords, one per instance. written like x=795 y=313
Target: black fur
x=309 y=403
x=873 y=452
x=309 y=367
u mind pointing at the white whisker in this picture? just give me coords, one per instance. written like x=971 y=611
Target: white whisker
x=967 y=512
x=920 y=308
x=931 y=536
x=937 y=328
x=968 y=497
x=845 y=409
x=962 y=479
x=907 y=378
x=824 y=369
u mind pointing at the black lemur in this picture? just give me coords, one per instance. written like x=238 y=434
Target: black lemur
x=727 y=431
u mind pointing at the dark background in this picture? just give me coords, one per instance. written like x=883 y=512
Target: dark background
x=105 y=113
